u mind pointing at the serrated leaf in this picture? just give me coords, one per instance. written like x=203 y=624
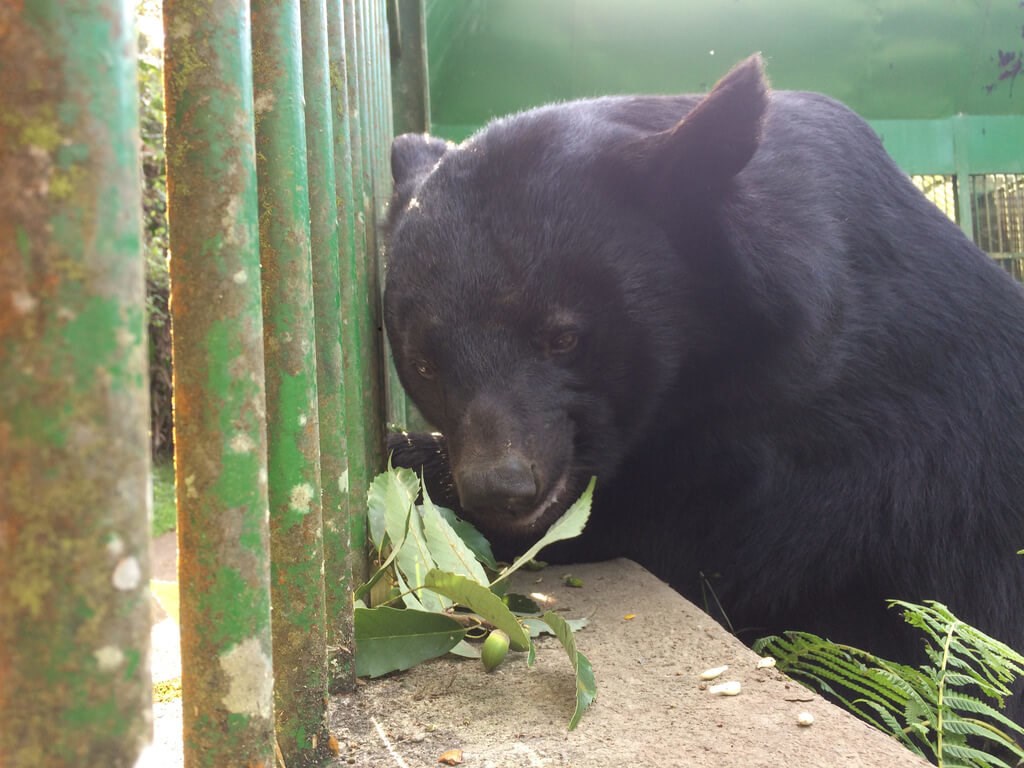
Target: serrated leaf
x=568 y=526
x=390 y=499
x=415 y=561
x=586 y=687
x=399 y=500
x=390 y=639
x=410 y=598
x=521 y=604
x=448 y=550
x=961 y=754
x=476 y=541
x=480 y=600
x=466 y=650
x=537 y=626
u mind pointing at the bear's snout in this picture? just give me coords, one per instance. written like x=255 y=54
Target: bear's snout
x=507 y=484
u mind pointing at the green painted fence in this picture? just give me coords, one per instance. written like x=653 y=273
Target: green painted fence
x=278 y=126
x=74 y=453
x=279 y=118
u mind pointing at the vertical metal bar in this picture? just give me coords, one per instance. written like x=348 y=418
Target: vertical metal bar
x=333 y=231
x=962 y=169
x=397 y=405
x=381 y=191
x=74 y=454
x=393 y=408
x=220 y=431
x=409 y=72
x=362 y=353
x=293 y=435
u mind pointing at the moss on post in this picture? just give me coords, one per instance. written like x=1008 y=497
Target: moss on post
x=74 y=453
x=219 y=417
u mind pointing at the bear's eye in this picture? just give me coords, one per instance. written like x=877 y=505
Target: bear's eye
x=563 y=341
x=424 y=369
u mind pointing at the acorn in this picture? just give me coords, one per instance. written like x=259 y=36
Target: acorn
x=494 y=649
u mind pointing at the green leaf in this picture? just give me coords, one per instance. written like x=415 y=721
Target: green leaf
x=537 y=626
x=415 y=562
x=389 y=502
x=568 y=526
x=389 y=639
x=447 y=548
x=961 y=754
x=466 y=650
x=480 y=600
x=477 y=543
x=586 y=688
x=521 y=604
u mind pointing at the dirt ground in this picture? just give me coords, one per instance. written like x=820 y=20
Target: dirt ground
x=651 y=710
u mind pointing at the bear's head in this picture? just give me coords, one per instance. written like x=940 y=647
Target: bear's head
x=549 y=279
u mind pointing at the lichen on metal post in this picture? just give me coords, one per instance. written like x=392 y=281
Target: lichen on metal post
x=366 y=267
x=363 y=433
x=74 y=453
x=219 y=404
x=398 y=408
x=331 y=203
x=293 y=435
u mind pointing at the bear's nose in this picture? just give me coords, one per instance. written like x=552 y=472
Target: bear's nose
x=506 y=485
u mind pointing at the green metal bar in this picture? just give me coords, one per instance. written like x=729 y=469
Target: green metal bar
x=346 y=553
x=333 y=231
x=373 y=152
x=399 y=405
x=410 y=73
x=293 y=435
x=361 y=353
x=220 y=431
x=962 y=171
x=74 y=454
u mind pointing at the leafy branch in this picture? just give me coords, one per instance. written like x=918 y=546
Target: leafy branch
x=442 y=570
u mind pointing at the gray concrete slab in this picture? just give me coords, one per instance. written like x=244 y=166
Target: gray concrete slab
x=651 y=710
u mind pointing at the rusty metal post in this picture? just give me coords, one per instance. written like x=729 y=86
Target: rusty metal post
x=330 y=224
x=363 y=430
x=74 y=453
x=220 y=409
x=296 y=525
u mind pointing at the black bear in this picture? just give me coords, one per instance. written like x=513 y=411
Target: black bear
x=797 y=382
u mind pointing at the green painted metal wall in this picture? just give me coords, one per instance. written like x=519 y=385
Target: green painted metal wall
x=917 y=62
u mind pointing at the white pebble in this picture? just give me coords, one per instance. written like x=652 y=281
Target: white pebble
x=711 y=674
x=730 y=688
x=765 y=663
x=805 y=719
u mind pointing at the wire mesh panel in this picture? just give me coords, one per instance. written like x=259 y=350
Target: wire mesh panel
x=940 y=189
x=997 y=202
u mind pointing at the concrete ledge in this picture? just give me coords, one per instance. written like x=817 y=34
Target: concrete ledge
x=651 y=709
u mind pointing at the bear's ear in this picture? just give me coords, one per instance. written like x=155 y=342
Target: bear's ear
x=701 y=153
x=413 y=155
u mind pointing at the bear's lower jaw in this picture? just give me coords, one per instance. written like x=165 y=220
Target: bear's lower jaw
x=530 y=525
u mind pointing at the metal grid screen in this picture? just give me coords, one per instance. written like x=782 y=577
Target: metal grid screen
x=997 y=212
x=997 y=207
x=940 y=189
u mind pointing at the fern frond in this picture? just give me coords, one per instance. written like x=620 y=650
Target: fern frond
x=935 y=710
x=961 y=754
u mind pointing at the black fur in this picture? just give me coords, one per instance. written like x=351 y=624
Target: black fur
x=788 y=370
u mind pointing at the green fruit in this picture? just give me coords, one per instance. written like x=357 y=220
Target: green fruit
x=494 y=650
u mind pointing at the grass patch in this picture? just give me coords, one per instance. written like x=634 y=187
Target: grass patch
x=164 y=514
